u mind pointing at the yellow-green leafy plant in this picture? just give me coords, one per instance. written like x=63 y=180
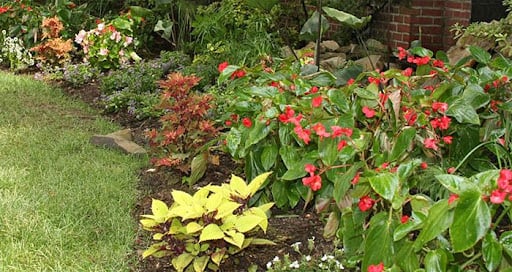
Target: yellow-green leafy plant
x=200 y=231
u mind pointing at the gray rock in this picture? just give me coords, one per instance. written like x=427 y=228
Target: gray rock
x=376 y=46
x=119 y=140
x=328 y=55
x=333 y=63
x=330 y=46
x=367 y=65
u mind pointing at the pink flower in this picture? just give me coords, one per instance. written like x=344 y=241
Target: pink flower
x=313 y=89
x=310 y=168
x=431 y=143
x=314 y=182
x=452 y=198
x=303 y=134
x=447 y=139
x=222 y=66
x=356 y=178
x=440 y=107
x=369 y=113
x=402 y=53
x=438 y=63
x=350 y=81
x=316 y=102
x=376 y=268
x=498 y=196
x=341 y=145
x=365 y=203
x=319 y=129
x=451 y=170
x=339 y=131
x=407 y=72
x=247 y=122
x=287 y=115
x=103 y=51
x=238 y=74
x=424 y=165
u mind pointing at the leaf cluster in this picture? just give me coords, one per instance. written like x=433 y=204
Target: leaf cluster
x=199 y=231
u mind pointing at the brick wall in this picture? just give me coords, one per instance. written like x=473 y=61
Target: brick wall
x=425 y=20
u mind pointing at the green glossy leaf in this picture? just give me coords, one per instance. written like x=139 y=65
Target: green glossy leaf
x=327 y=149
x=323 y=79
x=378 y=246
x=475 y=96
x=439 y=218
x=406 y=169
x=403 y=142
x=420 y=51
x=406 y=259
x=436 y=260
x=295 y=172
x=455 y=184
x=352 y=230
x=342 y=181
x=471 y=220
x=385 y=184
x=345 y=74
x=266 y=91
x=347 y=18
x=463 y=112
x=197 y=168
x=491 y=251
x=258 y=133
x=414 y=223
x=269 y=156
x=233 y=140
x=309 y=30
x=339 y=99
x=211 y=232
x=506 y=242
x=279 y=193
x=479 y=54
x=289 y=155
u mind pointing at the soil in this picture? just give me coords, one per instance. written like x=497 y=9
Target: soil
x=285 y=227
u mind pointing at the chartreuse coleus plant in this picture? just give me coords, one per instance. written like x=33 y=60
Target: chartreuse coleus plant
x=410 y=164
x=199 y=231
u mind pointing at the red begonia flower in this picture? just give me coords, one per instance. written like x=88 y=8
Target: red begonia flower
x=365 y=203
x=247 y=122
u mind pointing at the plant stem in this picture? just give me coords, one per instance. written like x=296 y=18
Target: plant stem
x=505 y=211
x=470 y=261
x=471 y=153
x=319 y=37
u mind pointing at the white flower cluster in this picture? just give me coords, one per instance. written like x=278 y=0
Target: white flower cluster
x=14 y=52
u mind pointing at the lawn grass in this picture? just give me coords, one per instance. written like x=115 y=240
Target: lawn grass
x=65 y=205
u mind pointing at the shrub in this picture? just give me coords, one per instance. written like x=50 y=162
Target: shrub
x=133 y=89
x=202 y=230
x=21 y=19
x=107 y=47
x=364 y=145
x=185 y=126
x=53 y=50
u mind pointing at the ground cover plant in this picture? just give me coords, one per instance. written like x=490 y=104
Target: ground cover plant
x=64 y=204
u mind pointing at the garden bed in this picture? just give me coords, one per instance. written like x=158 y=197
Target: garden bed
x=286 y=228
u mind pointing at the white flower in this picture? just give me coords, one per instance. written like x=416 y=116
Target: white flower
x=103 y=51
x=79 y=38
x=101 y=26
x=269 y=265
x=295 y=265
x=128 y=41
x=308 y=258
x=276 y=259
x=340 y=266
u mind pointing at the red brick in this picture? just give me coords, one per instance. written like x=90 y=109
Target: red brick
x=403 y=28
x=431 y=12
x=430 y=29
x=453 y=5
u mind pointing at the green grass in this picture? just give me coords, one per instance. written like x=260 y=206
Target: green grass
x=65 y=205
